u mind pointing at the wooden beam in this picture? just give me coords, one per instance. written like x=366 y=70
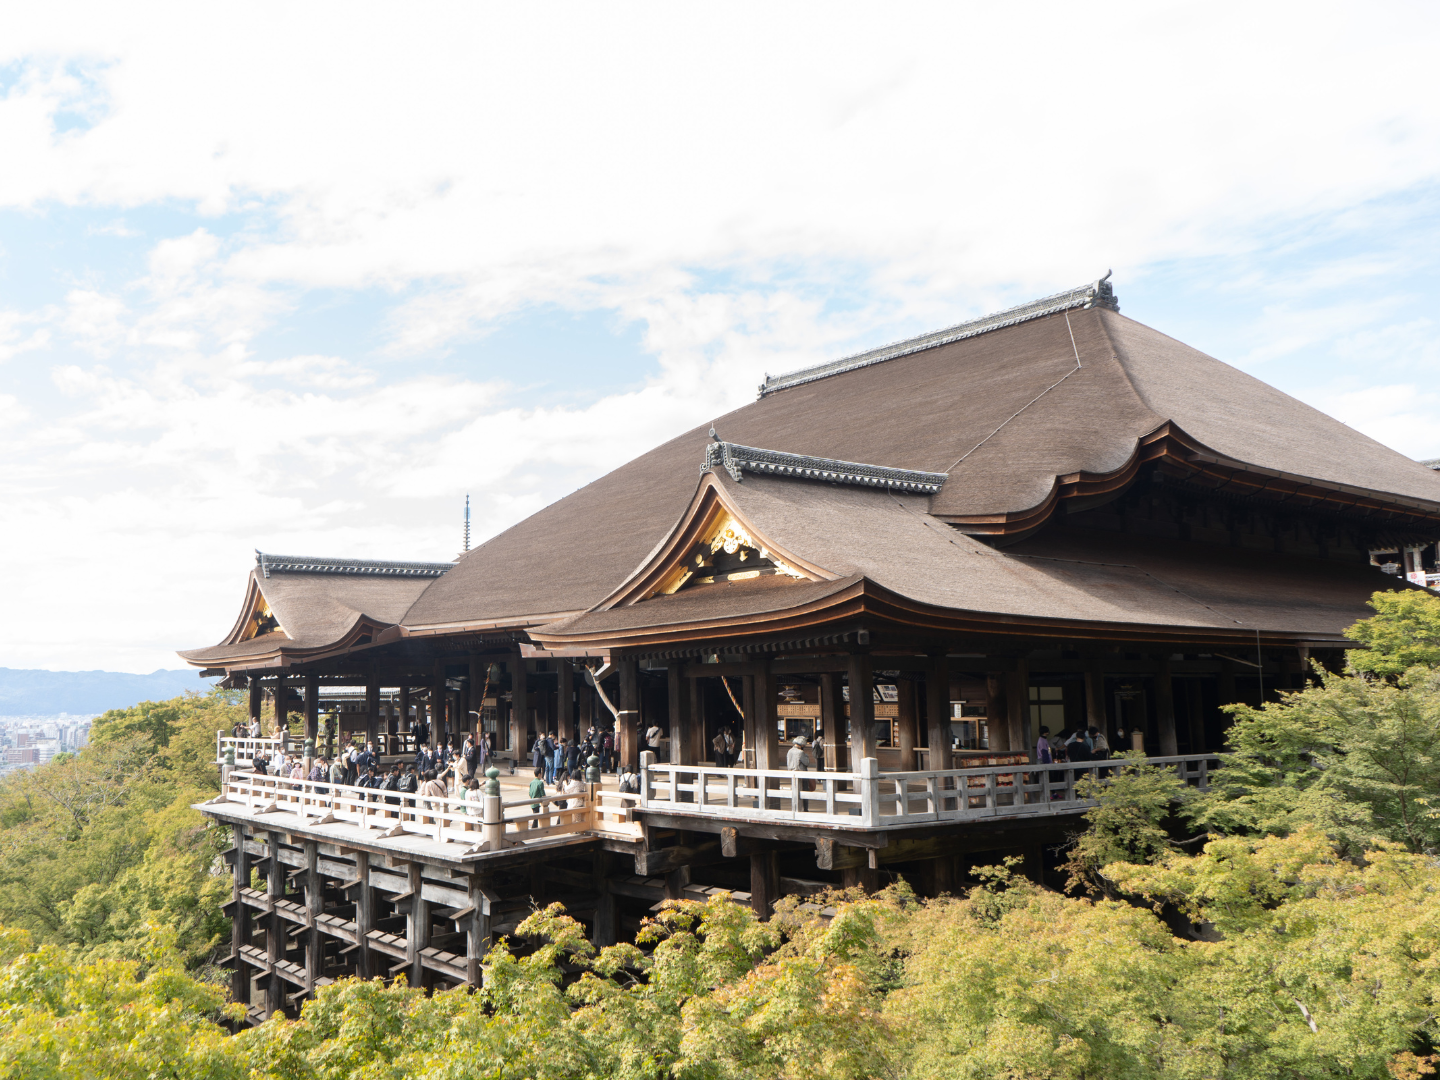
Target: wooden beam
x=794 y=834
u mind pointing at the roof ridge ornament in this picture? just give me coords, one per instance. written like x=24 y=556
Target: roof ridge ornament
x=737 y=460
x=1097 y=294
x=308 y=564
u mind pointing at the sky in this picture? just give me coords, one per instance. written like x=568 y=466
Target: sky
x=301 y=277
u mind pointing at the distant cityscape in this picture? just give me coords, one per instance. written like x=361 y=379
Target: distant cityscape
x=26 y=741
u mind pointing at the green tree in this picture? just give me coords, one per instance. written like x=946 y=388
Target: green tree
x=1404 y=632
x=1127 y=823
x=1354 y=755
x=102 y=846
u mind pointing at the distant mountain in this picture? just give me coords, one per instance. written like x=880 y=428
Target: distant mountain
x=47 y=693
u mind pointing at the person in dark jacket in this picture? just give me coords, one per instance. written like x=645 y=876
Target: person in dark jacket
x=409 y=784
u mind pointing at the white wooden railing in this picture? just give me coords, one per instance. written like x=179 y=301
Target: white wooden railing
x=244 y=748
x=490 y=823
x=870 y=799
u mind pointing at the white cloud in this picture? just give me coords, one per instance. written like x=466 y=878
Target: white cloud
x=755 y=187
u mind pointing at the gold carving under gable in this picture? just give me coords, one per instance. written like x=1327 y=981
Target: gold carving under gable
x=725 y=552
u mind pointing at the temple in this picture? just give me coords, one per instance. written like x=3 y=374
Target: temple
x=914 y=558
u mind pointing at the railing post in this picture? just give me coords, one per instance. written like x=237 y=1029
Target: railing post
x=869 y=791
x=647 y=762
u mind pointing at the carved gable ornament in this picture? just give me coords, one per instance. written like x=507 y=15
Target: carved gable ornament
x=725 y=552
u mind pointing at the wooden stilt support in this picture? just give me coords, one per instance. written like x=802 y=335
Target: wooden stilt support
x=364 y=915
x=764 y=883
x=861 y=675
x=417 y=935
x=240 y=924
x=274 y=929
x=477 y=929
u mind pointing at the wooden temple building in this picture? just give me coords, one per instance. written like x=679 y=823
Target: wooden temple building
x=914 y=556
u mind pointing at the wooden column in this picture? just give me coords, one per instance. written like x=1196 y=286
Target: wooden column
x=1096 y=715
x=438 y=692
x=997 y=712
x=768 y=753
x=1017 y=700
x=629 y=707
x=417 y=925
x=282 y=703
x=606 y=928
x=364 y=916
x=404 y=709
x=682 y=732
x=474 y=690
x=519 y=705
x=1195 y=708
x=312 y=710
x=257 y=698
x=1165 y=706
x=585 y=709
x=565 y=699
x=274 y=928
x=314 y=906
x=861 y=674
x=832 y=719
x=937 y=710
x=908 y=728
x=240 y=923
x=764 y=883
x=372 y=704
x=477 y=930
x=747 y=702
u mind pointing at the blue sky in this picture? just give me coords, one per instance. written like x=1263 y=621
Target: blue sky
x=302 y=281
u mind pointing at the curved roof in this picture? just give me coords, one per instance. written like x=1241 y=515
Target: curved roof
x=1009 y=414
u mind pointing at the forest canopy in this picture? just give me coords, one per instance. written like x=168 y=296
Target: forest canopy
x=1284 y=924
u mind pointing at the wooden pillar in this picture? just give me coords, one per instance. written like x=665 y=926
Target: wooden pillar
x=747 y=703
x=907 y=730
x=682 y=733
x=372 y=704
x=312 y=710
x=1096 y=715
x=404 y=709
x=832 y=719
x=519 y=704
x=417 y=937
x=282 y=703
x=314 y=906
x=1165 y=706
x=1017 y=700
x=240 y=924
x=699 y=724
x=438 y=693
x=257 y=697
x=1195 y=702
x=629 y=708
x=364 y=916
x=861 y=675
x=565 y=699
x=274 y=929
x=606 y=928
x=585 y=709
x=997 y=711
x=937 y=710
x=865 y=875
x=477 y=930
x=767 y=736
x=764 y=883
x=474 y=688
